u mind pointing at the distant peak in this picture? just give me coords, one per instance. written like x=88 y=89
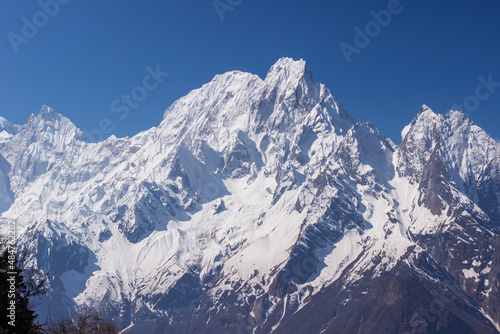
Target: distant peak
x=46 y=110
x=425 y=117
x=288 y=67
x=47 y=114
x=425 y=108
x=287 y=62
x=454 y=113
x=426 y=112
x=458 y=116
x=4 y=122
x=49 y=121
x=7 y=127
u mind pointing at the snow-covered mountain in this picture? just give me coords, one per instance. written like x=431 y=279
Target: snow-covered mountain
x=260 y=205
x=7 y=130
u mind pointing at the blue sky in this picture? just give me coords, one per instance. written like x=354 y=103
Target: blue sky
x=86 y=54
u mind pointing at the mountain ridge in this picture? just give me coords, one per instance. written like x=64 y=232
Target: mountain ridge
x=252 y=199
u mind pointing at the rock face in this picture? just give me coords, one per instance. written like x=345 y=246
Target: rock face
x=260 y=205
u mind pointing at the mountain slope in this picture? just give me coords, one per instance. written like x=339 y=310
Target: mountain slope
x=257 y=204
x=7 y=130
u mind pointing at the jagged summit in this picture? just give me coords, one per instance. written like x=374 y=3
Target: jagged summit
x=8 y=130
x=286 y=68
x=9 y=127
x=284 y=76
x=458 y=115
x=238 y=101
x=426 y=113
x=428 y=119
x=50 y=124
x=425 y=108
x=46 y=110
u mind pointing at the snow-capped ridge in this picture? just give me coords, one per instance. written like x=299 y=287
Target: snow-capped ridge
x=458 y=115
x=8 y=130
x=238 y=101
x=288 y=67
x=427 y=113
x=252 y=196
x=425 y=107
x=8 y=127
x=49 y=123
x=285 y=73
x=46 y=110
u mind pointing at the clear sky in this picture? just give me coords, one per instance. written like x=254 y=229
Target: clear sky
x=81 y=57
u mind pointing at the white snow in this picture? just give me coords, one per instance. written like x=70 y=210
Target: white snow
x=470 y=273
x=229 y=183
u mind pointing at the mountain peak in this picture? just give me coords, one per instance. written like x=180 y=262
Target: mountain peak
x=50 y=122
x=287 y=62
x=8 y=127
x=286 y=68
x=265 y=192
x=425 y=109
x=244 y=101
x=454 y=113
x=426 y=114
x=47 y=113
x=425 y=124
x=45 y=110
